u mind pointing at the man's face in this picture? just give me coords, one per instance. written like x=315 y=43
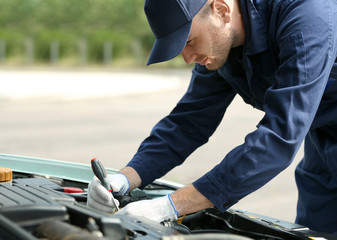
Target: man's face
x=209 y=42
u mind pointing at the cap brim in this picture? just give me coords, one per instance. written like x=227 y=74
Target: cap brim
x=170 y=46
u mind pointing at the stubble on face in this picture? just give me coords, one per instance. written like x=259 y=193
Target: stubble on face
x=222 y=42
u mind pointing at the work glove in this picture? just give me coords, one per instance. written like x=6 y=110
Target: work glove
x=100 y=198
x=158 y=209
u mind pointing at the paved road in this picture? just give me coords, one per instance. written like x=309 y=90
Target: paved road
x=109 y=113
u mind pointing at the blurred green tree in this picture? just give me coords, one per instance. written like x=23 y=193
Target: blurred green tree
x=120 y=22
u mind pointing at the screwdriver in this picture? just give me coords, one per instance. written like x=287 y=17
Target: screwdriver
x=100 y=173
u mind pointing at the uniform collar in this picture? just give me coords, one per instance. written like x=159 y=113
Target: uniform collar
x=255 y=27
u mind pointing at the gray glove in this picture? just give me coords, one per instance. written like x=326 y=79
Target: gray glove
x=100 y=198
x=158 y=209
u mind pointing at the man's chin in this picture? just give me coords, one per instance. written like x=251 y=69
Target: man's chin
x=212 y=67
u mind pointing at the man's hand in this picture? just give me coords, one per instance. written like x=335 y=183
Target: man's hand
x=159 y=209
x=100 y=198
x=185 y=200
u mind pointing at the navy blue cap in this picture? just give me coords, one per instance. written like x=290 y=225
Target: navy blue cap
x=170 y=21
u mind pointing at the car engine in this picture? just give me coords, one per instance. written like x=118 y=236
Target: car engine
x=41 y=207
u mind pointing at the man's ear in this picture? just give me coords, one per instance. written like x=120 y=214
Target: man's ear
x=222 y=9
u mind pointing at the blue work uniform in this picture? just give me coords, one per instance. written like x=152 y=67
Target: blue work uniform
x=288 y=69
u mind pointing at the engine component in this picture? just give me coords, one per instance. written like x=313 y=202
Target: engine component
x=57 y=230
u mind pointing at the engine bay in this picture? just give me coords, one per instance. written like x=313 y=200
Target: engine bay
x=41 y=207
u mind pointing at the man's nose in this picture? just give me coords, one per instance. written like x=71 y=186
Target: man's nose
x=188 y=57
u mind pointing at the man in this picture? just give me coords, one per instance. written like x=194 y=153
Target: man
x=280 y=56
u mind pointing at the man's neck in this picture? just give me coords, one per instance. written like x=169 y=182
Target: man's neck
x=238 y=24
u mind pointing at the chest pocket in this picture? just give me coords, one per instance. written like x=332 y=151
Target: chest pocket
x=260 y=72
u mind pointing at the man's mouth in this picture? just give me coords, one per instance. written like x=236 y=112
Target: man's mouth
x=204 y=62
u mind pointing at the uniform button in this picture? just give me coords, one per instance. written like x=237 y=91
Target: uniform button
x=227 y=204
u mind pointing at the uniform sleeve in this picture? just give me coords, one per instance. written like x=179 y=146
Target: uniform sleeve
x=188 y=126
x=306 y=48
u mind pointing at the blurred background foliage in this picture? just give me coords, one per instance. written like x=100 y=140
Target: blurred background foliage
x=74 y=32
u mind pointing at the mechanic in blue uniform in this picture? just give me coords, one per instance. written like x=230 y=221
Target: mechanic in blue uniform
x=280 y=56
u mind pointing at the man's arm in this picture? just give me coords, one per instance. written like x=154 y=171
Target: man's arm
x=188 y=126
x=133 y=177
x=186 y=200
x=189 y=200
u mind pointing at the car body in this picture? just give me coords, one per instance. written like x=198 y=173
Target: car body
x=46 y=199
